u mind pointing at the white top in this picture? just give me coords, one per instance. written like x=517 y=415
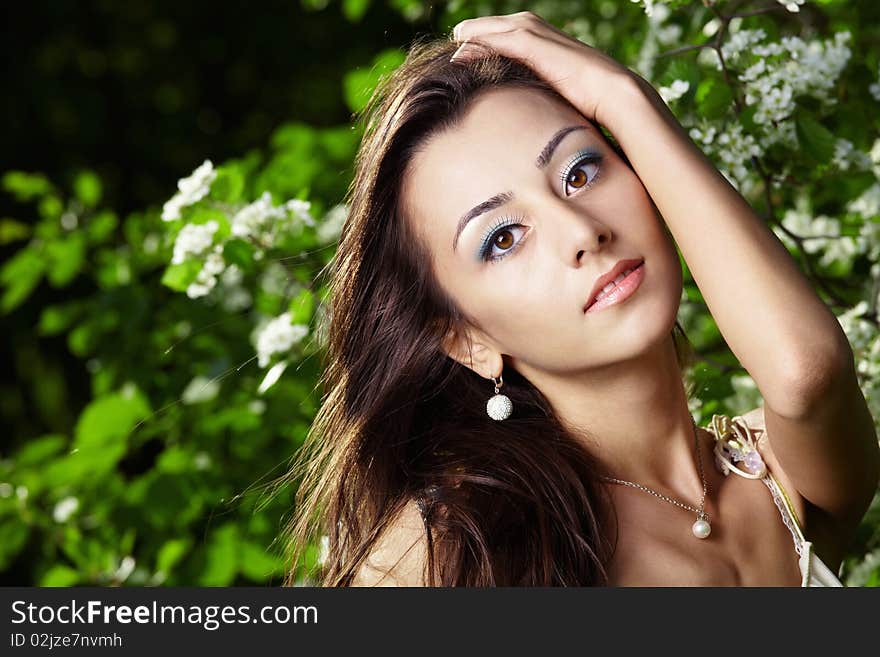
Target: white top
x=734 y=440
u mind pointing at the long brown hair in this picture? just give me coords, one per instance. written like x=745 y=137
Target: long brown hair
x=505 y=503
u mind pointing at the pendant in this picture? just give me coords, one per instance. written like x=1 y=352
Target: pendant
x=499 y=407
x=701 y=528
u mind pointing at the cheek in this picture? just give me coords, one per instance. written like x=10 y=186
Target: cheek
x=525 y=310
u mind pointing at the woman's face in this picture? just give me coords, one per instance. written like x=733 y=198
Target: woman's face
x=523 y=268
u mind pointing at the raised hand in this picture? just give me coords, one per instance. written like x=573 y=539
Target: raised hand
x=588 y=78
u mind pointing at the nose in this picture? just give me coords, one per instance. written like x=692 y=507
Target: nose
x=576 y=231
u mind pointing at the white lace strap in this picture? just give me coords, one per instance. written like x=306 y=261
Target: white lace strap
x=788 y=514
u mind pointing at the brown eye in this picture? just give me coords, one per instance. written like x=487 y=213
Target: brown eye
x=501 y=240
x=579 y=178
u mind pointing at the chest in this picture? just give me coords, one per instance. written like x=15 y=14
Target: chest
x=749 y=545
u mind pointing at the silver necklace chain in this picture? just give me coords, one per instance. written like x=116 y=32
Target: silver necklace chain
x=701 y=513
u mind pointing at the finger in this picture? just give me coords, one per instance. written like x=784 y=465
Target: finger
x=472 y=27
x=470 y=50
x=515 y=44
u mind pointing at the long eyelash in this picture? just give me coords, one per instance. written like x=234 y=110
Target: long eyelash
x=489 y=237
x=583 y=156
x=587 y=156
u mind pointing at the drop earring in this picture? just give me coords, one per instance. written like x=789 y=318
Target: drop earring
x=499 y=407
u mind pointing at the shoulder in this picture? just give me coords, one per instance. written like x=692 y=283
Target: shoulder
x=400 y=554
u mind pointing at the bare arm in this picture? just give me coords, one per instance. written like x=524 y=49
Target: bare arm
x=768 y=312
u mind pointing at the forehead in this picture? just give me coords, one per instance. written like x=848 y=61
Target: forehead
x=496 y=144
x=498 y=123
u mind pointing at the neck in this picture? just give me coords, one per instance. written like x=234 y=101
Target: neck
x=633 y=417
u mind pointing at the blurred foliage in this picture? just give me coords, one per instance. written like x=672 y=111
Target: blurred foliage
x=163 y=345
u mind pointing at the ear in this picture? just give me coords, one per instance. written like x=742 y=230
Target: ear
x=472 y=349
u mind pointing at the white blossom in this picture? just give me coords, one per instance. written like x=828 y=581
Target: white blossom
x=874 y=154
x=324 y=552
x=251 y=218
x=674 y=91
x=784 y=71
x=200 y=389
x=264 y=221
x=648 y=6
x=331 y=225
x=874 y=87
x=859 y=332
x=272 y=376
x=301 y=210
x=193 y=239
x=206 y=279
x=278 y=336
x=791 y=5
x=655 y=34
x=64 y=509
x=867 y=203
x=274 y=279
x=731 y=150
x=668 y=34
x=190 y=190
x=739 y=42
x=821 y=233
x=846 y=156
x=198 y=289
x=235 y=297
x=126 y=567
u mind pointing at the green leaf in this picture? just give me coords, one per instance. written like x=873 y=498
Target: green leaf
x=60 y=576
x=50 y=208
x=101 y=435
x=714 y=98
x=37 y=450
x=171 y=552
x=358 y=85
x=20 y=275
x=239 y=252
x=13 y=536
x=354 y=10
x=87 y=187
x=221 y=557
x=66 y=258
x=12 y=231
x=302 y=306
x=109 y=419
x=178 y=277
x=747 y=119
x=228 y=186
x=258 y=564
x=26 y=186
x=174 y=460
x=816 y=140
x=102 y=226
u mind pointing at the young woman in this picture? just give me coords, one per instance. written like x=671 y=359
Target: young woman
x=500 y=246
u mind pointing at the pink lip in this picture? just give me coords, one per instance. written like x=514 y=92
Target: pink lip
x=621 y=291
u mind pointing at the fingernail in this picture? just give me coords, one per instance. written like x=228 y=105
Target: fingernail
x=466 y=50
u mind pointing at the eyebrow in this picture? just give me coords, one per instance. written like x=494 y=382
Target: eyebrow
x=500 y=199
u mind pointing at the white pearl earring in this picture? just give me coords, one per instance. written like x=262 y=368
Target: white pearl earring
x=499 y=407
